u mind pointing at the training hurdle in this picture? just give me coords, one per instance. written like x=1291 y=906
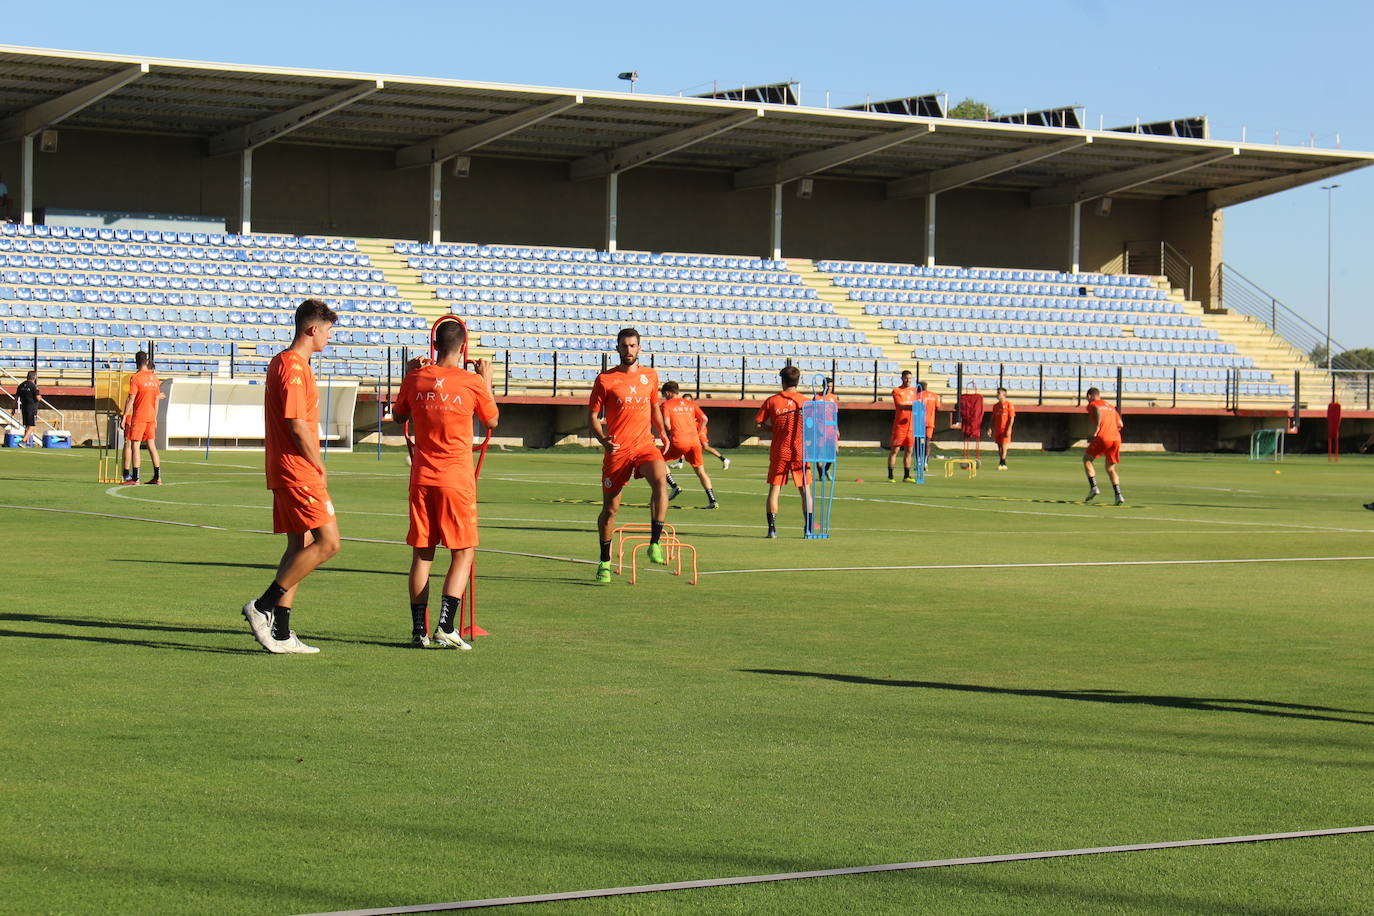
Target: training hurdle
x=953 y=464
x=675 y=548
x=637 y=531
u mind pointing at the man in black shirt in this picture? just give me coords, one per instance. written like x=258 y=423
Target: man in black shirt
x=27 y=395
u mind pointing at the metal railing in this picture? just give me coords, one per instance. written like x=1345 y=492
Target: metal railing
x=1158 y=259
x=12 y=418
x=1232 y=289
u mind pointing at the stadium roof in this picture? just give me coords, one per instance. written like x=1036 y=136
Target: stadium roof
x=423 y=120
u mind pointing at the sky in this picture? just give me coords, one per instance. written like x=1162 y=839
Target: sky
x=1303 y=73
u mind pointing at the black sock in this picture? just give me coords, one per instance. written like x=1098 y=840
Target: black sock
x=605 y=551
x=710 y=494
x=133 y=475
x=722 y=458
x=671 y=482
x=1116 y=488
x=772 y=521
x=448 y=606
x=1092 y=483
x=889 y=473
x=655 y=531
x=157 y=472
x=906 y=473
x=270 y=597
x=419 y=619
x=281 y=623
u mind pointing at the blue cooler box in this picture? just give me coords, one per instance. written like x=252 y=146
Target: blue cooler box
x=57 y=438
x=12 y=437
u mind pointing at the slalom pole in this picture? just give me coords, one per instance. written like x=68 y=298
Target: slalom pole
x=324 y=431
x=379 y=418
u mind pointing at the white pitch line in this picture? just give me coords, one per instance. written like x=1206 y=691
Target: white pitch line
x=125 y=518
x=839 y=872
x=1217 y=562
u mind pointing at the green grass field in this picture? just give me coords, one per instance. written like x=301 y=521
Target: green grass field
x=155 y=760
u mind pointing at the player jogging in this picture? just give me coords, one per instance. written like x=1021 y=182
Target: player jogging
x=903 y=397
x=702 y=422
x=683 y=441
x=1003 y=419
x=828 y=394
x=440 y=400
x=1106 y=441
x=301 y=507
x=627 y=395
x=781 y=415
x=140 y=419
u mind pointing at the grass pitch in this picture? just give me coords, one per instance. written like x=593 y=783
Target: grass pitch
x=812 y=717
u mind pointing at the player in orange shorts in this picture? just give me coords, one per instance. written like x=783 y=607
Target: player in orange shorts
x=903 y=396
x=627 y=396
x=1003 y=419
x=440 y=400
x=1106 y=441
x=301 y=507
x=140 y=418
x=781 y=415
x=702 y=423
x=684 y=441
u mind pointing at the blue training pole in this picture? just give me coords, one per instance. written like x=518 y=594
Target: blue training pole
x=324 y=429
x=379 y=418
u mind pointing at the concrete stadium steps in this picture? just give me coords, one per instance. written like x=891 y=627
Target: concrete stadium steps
x=399 y=273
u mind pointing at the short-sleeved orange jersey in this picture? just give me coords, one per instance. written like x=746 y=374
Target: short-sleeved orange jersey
x=701 y=419
x=626 y=399
x=784 y=412
x=680 y=415
x=828 y=396
x=1003 y=412
x=290 y=395
x=932 y=402
x=144 y=387
x=440 y=402
x=903 y=398
x=1108 y=421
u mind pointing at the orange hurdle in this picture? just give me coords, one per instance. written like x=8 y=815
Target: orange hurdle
x=681 y=546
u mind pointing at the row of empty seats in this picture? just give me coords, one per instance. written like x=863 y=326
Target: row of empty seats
x=596 y=269
x=587 y=255
x=884 y=269
x=150 y=236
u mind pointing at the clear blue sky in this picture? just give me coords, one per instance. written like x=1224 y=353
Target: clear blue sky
x=1301 y=69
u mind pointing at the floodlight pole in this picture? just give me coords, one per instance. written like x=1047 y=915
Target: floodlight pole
x=1328 y=188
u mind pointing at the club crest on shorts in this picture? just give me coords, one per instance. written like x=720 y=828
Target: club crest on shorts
x=606 y=481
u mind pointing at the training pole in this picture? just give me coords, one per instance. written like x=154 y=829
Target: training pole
x=379 y=418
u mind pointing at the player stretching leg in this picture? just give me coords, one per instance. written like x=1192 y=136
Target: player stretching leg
x=683 y=440
x=1003 y=419
x=782 y=415
x=440 y=400
x=1106 y=441
x=701 y=433
x=627 y=396
x=140 y=419
x=902 y=398
x=301 y=507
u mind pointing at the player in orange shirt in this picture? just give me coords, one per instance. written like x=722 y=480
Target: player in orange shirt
x=828 y=394
x=1106 y=441
x=440 y=400
x=1003 y=419
x=903 y=397
x=682 y=435
x=781 y=415
x=301 y=507
x=140 y=418
x=701 y=433
x=932 y=402
x=627 y=396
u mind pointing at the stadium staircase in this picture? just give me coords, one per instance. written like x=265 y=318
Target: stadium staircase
x=399 y=273
x=871 y=327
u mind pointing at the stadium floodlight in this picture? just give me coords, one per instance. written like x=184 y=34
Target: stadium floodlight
x=630 y=76
x=1328 y=188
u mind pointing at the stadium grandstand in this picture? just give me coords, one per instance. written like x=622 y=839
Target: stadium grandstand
x=187 y=207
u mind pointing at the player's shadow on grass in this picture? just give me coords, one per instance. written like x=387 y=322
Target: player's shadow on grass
x=93 y=623
x=114 y=641
x=1118 y=697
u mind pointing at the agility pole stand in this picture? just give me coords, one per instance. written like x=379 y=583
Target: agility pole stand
x=918 y=442
x=467 y=607
x=106 y=422
x=820 y=449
